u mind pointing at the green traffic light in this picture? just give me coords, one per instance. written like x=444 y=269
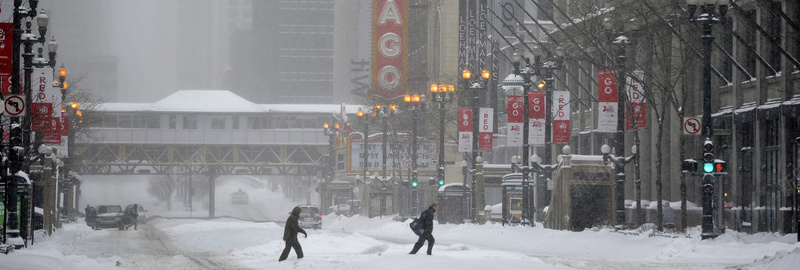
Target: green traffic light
x=708 y=167
x=414 y=184
x=441 y=182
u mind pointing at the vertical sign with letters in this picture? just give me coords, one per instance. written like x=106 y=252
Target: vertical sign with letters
x=608 y=105
x=514 y=126
x=486 y=126
x=536 y=107
x=637 y=110
x=561 y=114
x=390 y=53
x=465 y=129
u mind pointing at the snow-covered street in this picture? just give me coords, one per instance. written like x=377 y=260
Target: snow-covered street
x=363 y=243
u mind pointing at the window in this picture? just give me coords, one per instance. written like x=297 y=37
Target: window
x=253 y=122
x=218 y=122
x=124 y=121
x=281 y=121
x=189 y=122
x=267 y=122
x=172 y=122
x=153 y=121
x=750 y=38
x=310 y=123
x=109 y=121
x=235 y=122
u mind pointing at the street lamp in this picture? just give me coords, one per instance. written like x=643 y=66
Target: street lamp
x=475 y=86
x=619 y=163
x=328 y=174
x=443 y=94
x=416 y=103
x=621 y=41
x=384 y=113
x=707 y=19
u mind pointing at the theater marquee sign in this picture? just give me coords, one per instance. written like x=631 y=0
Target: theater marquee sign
x=390 y=55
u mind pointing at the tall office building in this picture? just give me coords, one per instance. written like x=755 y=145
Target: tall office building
x=287 y=57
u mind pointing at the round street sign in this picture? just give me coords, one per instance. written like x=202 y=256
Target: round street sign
x=691 y=126
x=14 y=105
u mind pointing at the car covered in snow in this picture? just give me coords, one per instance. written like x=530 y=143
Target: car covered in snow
x=310 y=216
x=240 y=197
x=108 y=216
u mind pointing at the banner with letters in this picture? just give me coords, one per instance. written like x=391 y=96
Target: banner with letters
x=514 y=126
x=608 y=102
x=536 y=107
x=390 y=53
x=637 y=109
x=465 y=129
x=485 y=128
x=561 y=115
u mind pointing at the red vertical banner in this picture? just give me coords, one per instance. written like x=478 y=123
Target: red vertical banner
x=607 y=105
x=561 y=115
x=637 y=110
x=485 y=127
x=51 y=134
x=514 y=126
x=390 y=53
x=6 y=44
x=536 y=107
x=41 y=113
x=465 y=129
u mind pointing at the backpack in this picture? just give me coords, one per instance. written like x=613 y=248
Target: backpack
x=417 y=227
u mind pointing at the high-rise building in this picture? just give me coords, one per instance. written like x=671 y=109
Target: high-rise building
x=287 y=57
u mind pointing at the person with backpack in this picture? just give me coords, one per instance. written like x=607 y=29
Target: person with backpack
x=290 y=235
x=426 y=217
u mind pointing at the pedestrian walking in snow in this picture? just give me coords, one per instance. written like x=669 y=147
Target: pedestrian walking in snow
x=290 y=235
x=427 y=220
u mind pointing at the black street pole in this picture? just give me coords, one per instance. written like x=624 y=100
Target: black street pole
x=620 y=135
x=440 y=170
x=706 y=19
x=366 y=153
x=708 y=179
x=526 y=86
x=414 y=173
x=475 y=133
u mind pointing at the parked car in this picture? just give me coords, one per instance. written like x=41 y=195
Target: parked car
x=142 y=215
x=310 y=216
x=240 y=197
x=108 y=216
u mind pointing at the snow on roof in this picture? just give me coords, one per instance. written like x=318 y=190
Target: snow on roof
x=220 y=101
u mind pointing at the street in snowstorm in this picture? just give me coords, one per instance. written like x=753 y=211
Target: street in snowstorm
x=399 y=134
x=358 y=242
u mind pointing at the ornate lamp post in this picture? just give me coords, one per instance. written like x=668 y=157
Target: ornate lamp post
x=442 y=94
x=328 y=174
x=416 y=103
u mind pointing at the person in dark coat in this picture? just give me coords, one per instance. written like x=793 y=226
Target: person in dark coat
x=130 y=217
x=91 y=215
x=290 y=235
x=427 y=219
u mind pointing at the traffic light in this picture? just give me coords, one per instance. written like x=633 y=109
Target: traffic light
x=720 y=167
x=15 y=135
x=441 y=182
x=689 y=165
x=413 y=183
x=708 y=156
